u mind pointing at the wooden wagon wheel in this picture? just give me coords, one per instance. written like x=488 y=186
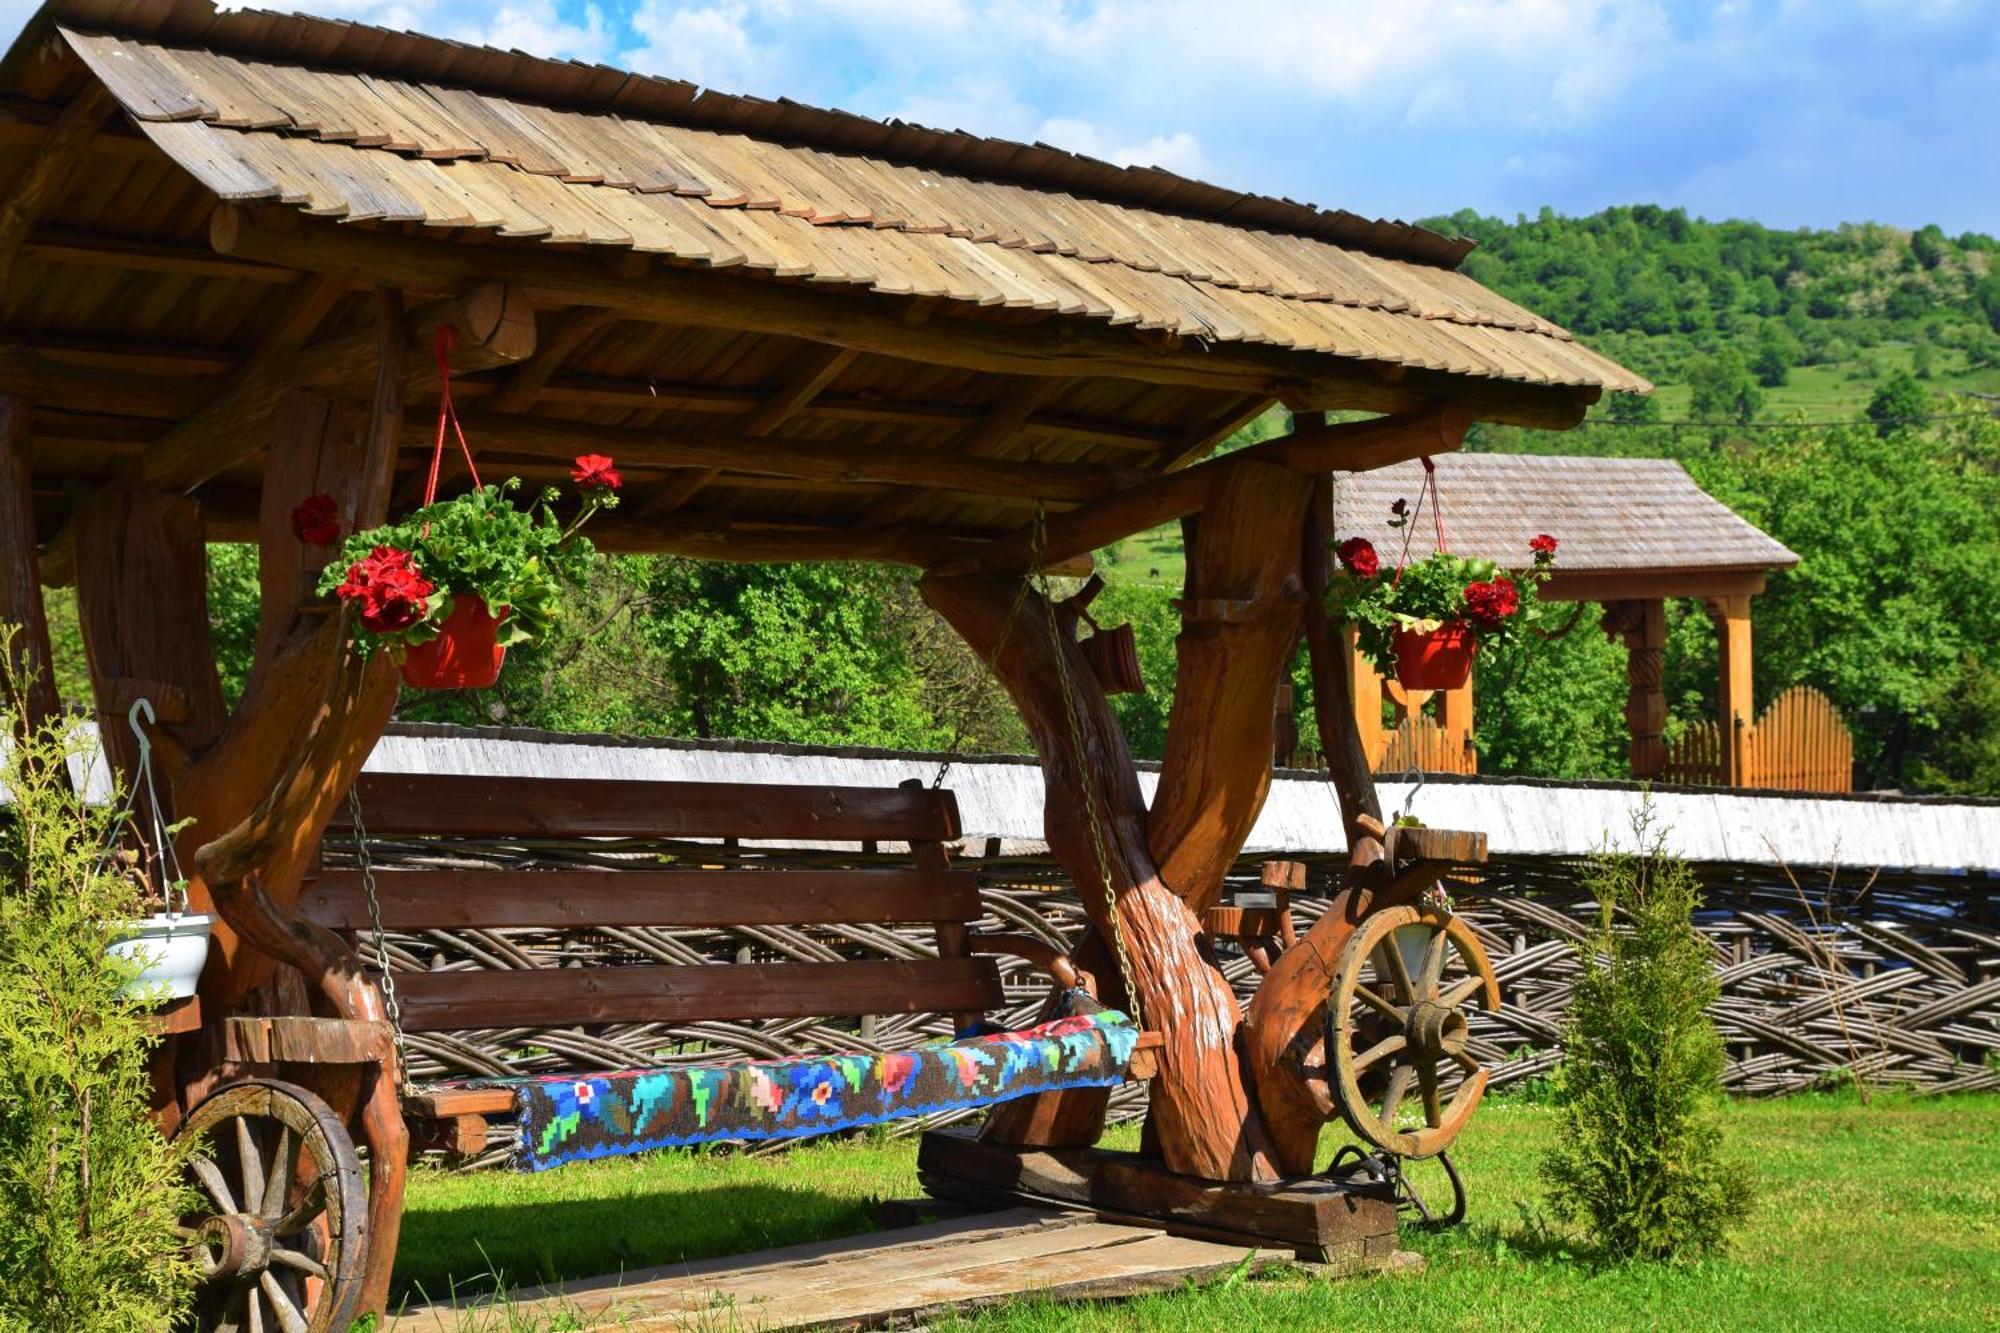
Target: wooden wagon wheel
x=1397 y=1017
x=279 y=1241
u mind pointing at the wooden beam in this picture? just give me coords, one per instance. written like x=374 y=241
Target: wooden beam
x=1626 y=585
x=29 y=658
x=815 y=371
x=524 y=384
x=744 y=543
x=1054 y=347
x=55 y=166
x=1195 y=446
x=88 y=249
x=494 y=325
x=1001 y=426
x=713 y=453
x=44 y=380
x=1311 y=448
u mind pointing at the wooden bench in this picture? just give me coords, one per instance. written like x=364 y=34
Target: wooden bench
x=962 y=981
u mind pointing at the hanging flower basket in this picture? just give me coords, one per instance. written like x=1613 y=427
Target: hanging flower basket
x=1426 y=620
x=1434 y=659
x=465 y=655
x=171 y=949
x=451 y=587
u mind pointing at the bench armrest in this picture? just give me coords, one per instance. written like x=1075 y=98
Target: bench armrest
x=1037 y=953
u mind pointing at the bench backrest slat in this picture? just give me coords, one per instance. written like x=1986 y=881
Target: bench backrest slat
x=535 y=998
x=471 y=806
x=653 y=893
x=575 y=899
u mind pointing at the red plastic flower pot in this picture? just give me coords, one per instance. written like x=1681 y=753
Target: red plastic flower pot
x=1439 y=659
x=463 y=656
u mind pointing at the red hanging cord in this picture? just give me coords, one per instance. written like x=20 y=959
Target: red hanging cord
x=1429 y=489
x=447 y=412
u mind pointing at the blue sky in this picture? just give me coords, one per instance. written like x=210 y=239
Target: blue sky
x=1791 y=112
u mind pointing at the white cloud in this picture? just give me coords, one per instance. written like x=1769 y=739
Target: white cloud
x=707 y=44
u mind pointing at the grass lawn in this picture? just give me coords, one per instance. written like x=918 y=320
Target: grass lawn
x=1884 y=1215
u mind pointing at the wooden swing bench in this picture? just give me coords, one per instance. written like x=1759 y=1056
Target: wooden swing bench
x=608 y=1114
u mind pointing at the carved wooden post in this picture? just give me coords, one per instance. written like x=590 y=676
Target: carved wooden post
x=20 y=579
x=1239 y=623
x=1643 y=625
x=1206 y=1123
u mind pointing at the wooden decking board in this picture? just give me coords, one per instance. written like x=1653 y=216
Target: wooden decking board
x=890 y=1277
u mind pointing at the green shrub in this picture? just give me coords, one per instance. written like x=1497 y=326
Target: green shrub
x=1639 y=1158
x=90 y=1193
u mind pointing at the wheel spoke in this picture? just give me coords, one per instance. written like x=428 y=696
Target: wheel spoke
x=1392 y=1099
x=253 y=1307
x=231 y=1318
x=1398 y=971
x=1466 y=1061
x=1461 y=990
x=1389 y=1045
x=250 y=1162
x=299 y=1260
x=289 y=1318
x=1427 y=1083
x=278 y=1180
x=213 y=1183
x=1379 y=1005
x=1432 y=967
x=309 y=1208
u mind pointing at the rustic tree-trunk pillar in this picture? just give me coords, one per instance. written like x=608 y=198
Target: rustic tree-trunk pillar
x=1365 y=696
x=1643 y=626
x=20 y=580
x=1239 y=624
x=1735 y=708
x=1284 y=1034
x=1202 y=1110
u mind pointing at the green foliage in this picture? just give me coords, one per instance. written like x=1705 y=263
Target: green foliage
x=803 y=653
x=1721 y=387
x=1961 y=754
x=1898 y=547
x=1901 y=401
x=1640 y=1161
x=89 y=1191
x=1156 y=625
x=1554 y=706
x=475 y=544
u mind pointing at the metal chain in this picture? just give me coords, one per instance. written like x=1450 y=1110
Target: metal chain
x=1097 y=840
x=380 y=940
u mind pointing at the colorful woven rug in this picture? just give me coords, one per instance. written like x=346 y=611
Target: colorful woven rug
x=565 y=1118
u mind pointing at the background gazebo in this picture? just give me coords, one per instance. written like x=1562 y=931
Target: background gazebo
x=1634 y=532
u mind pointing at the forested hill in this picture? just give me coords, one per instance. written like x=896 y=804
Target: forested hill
x=1813 y=317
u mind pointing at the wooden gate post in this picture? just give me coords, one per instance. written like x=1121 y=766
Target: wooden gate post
x=1734 y=709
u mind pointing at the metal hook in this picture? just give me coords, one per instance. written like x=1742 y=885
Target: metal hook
x=1415 y=777
x=142 y=705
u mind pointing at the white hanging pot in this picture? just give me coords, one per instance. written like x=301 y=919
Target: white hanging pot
x=171 y=947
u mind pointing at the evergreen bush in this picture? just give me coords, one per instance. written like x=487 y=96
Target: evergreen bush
x=1639 y=1159
x=90 y=1193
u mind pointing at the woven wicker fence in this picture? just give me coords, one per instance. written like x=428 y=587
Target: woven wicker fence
x=1894 y=979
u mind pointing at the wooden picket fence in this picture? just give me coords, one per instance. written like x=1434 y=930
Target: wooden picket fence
x=1419 y=742
x=1799 y=743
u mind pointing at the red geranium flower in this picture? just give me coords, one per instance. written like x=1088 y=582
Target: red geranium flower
x=391 y=591
x=1490 y=603
x=1358 y=554
x=1543 y=545
x=594 y=472
x=316 y=521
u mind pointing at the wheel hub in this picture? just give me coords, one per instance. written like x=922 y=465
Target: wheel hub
x=1435 y=1032
x=232 y=1245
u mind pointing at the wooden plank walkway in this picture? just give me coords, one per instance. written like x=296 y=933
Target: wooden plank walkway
x=890 y=1278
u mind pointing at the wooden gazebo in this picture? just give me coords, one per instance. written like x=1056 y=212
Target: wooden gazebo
x=1633 y=532
x=229 y=238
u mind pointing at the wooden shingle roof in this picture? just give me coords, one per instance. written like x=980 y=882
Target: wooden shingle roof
x=1611 y=515
x=358 y=145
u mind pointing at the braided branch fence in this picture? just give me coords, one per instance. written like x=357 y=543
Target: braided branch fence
x=1889 y=978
